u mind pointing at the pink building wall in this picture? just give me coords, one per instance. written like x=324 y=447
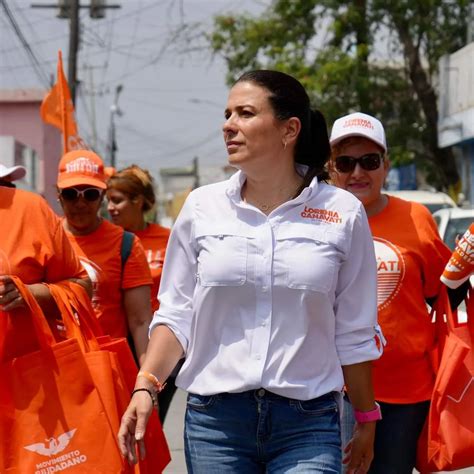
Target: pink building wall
x=20 y=118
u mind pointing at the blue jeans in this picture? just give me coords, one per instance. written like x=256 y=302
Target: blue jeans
x=260 y=432
x=396 y=435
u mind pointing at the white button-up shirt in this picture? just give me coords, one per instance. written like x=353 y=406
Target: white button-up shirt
x=278 y=301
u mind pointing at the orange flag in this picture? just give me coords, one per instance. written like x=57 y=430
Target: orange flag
x=57 y=109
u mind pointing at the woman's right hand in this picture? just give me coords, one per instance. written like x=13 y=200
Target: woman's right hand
x=133 y=426
x=10 y=296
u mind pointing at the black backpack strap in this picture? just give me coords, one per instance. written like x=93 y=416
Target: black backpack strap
x=126 y=247
x=125 y=251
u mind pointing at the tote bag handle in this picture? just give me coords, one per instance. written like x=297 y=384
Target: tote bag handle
x=43 y=332
x=76 y=320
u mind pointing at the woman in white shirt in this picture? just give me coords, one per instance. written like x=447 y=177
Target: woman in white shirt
x=269 y=292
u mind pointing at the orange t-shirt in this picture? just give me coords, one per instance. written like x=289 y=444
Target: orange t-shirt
x=99 y=253
x=154 y=240
x=410 y=259
x=34 y=247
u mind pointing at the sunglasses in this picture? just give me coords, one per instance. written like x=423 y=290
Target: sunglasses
x=368 y=162
x=89 y=194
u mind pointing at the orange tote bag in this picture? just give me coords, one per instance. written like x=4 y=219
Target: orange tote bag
x=157 y=451
x=114 y=371
x=447 y=443
x=52 y=417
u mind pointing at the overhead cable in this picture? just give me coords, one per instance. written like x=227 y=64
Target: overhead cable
x=42 y=76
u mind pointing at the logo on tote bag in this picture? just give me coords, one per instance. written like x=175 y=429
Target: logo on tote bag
x=54 y=446
x=466 y=388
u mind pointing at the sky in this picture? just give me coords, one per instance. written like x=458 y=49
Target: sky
x=173 y=90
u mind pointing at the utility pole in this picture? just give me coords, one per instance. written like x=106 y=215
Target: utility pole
x=93 y=116
x=73 y=47
x=196 y=172
x=112 y=142
x=69 y=9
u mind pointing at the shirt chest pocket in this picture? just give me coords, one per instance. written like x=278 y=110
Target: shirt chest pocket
x=309 y=257
x=222 y=255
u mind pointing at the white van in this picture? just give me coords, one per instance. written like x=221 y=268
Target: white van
x=433 y=200
x=452 y=223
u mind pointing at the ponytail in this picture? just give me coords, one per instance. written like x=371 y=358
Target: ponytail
x=313 y=149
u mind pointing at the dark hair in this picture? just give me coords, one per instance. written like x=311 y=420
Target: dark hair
x=7 y=184
x=289 y=98
x=134 y=181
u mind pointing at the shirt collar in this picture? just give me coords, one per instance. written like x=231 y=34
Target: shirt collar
x=237 y=180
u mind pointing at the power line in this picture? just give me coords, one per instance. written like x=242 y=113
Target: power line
x=85 y=107
x=134 y=35
x=159 y=104
x=24 y=20
x=117 y=50
x=192 y=146
x=123 y=49
x=42 y=76
x=110 y=36
x=11 y=49
x=24 y=66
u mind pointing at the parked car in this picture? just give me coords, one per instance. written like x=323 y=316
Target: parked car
x=452 y=223
x=433 y=200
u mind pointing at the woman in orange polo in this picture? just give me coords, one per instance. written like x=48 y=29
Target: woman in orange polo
x=130 y=196
x=121 y=289
x=410 y=259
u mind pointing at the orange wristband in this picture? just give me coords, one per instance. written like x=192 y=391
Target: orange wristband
x=154 y=380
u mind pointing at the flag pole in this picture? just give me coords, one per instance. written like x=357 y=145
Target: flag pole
x=62 y=101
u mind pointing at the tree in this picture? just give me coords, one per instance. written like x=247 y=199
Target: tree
x=335 y=48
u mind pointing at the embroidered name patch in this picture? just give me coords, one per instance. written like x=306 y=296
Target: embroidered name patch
x=325 y=215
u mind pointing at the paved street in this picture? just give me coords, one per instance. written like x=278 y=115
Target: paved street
x=173 y=427
x=174 y=434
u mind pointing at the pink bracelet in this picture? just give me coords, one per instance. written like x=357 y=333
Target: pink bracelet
x=368 y=416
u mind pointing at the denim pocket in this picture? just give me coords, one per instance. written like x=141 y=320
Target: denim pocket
x=317 y=406
x=200 y=402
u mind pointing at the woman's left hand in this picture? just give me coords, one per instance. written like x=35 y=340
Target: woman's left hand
x=10 y=297
x=360 y=450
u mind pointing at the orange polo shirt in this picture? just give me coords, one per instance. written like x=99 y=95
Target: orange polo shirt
x=410 y=259
x=154 y=240
x=99 y=253
x=34 y=247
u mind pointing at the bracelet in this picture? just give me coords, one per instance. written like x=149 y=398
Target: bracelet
x=368 y=416
x=153 y=379
x=153 y=397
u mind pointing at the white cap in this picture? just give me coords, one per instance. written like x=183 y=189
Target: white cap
x=358 y=125
x=13 y=173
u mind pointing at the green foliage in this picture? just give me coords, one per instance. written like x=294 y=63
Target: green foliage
x=334 y=48
x=248 y=43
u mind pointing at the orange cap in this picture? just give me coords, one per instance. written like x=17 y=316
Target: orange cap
x=81 y=167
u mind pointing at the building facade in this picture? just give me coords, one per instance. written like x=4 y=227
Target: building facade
x=456 y=112
x=30 y=142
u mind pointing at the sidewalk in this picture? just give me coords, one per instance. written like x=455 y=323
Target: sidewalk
x=173 y=428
